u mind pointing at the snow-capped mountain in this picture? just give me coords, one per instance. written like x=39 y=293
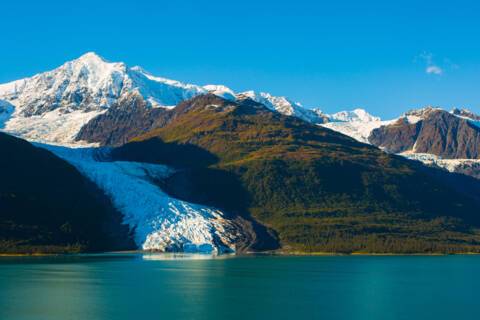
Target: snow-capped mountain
x=450 y=140
x=431 y=131
x=92 y=101
x=92 y=83
x=52 y=107
x=221 y=91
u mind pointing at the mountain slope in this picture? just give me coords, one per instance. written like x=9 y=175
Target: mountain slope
x=46 y=205
x=315 y=189
x=438 y=138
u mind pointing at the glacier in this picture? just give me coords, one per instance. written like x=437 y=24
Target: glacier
x=159 y=221
x=451 y=165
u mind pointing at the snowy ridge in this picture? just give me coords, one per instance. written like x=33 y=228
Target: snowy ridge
x=284 y=106
x=467 y=115
x=221 y=91
x=160 y=222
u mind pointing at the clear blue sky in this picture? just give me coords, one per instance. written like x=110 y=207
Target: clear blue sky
x=330 y=54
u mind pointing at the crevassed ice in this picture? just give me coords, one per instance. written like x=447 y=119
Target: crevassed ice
x=159 y=221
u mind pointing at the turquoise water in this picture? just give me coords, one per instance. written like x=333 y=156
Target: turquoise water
x=158 y=287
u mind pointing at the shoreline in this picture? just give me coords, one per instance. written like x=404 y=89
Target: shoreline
x=269 y=253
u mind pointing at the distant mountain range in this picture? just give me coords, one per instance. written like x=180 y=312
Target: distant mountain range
x=202 y=168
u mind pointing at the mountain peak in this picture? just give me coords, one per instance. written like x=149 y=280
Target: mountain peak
x=424 y=110
x=356 y=115
x=91 y=56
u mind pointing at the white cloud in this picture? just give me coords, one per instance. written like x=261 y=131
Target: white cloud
x=433 y=69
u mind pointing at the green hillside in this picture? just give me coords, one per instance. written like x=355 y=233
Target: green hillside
x=316 y=190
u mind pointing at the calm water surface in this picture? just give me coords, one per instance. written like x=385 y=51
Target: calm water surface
x=139 y=286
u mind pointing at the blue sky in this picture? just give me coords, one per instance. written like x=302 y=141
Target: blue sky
x=386 y=56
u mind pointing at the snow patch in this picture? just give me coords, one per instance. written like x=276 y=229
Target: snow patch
x=412 y=119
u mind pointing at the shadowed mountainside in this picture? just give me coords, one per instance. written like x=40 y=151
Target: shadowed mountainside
x=47 y=206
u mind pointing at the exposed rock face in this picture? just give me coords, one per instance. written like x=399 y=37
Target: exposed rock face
x=432 y=131
x=448 y=136
x=466 y=114
x=127 y=118
x=397 y=137
x=131 y=117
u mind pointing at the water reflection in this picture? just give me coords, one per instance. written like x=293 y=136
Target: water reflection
x=184 y=256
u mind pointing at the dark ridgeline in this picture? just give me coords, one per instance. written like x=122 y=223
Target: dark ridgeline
x=47 y=206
